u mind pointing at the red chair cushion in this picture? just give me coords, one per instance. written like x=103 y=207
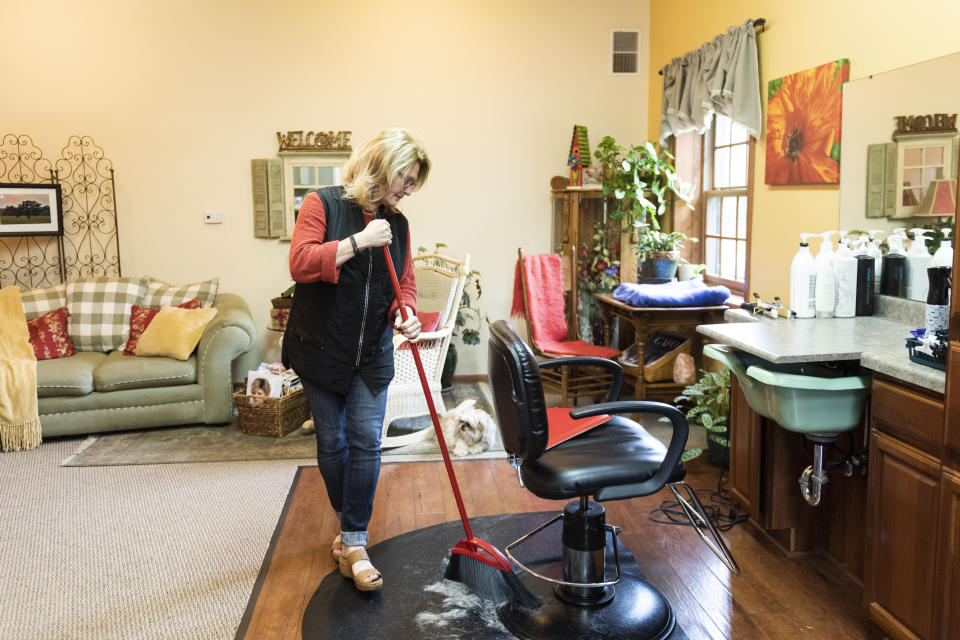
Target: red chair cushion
x=578 y=348
x=429 y=320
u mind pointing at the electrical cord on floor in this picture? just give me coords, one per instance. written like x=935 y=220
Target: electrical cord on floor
x=722 y=510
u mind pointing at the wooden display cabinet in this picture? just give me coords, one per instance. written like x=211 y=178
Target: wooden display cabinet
x=575 y=211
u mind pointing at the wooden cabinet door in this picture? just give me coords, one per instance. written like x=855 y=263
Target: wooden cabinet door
x=903 y=505
x=745 y=451
x=948 y=560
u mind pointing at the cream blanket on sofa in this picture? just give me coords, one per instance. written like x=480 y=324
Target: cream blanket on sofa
x=19 y=420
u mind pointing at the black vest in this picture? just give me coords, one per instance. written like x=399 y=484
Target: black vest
x=337 y=330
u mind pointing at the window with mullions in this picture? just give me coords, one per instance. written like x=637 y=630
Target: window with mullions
x=726 y=193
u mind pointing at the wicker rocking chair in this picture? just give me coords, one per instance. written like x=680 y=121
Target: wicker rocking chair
x=440 y=283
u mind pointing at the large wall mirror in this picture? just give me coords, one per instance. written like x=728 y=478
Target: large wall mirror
x=885 y=181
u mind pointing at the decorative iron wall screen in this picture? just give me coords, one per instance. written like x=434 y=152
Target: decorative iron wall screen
x=89 y=247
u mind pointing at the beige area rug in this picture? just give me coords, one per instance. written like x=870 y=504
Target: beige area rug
x=147 y=552
x=228 y=444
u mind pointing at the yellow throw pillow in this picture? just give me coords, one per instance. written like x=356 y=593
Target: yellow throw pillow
x=174 y=332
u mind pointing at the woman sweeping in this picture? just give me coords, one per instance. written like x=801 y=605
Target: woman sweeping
x=340 y=330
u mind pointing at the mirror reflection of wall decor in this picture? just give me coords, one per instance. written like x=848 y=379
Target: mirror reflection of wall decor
x=803 y=125
x=916 y=171
x=900 y=174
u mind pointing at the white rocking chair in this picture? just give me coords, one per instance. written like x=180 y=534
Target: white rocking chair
x=440 y=283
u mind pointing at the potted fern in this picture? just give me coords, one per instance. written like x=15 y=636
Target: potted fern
x=708 y=400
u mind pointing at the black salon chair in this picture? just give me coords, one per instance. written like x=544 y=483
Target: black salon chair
x=614 y=460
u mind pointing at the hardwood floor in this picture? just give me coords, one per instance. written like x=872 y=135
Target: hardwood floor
x=775 y=598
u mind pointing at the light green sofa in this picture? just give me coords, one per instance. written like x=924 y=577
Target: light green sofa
x=93 y=392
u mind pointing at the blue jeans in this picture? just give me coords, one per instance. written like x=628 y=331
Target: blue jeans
x=348 y=452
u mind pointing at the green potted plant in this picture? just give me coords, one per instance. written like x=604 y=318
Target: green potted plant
x=641 y=180
x=708 y=400
x=658 y=251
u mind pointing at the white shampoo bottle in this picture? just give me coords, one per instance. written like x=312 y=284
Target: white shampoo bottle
x=918 y=261
x=944 y=255
x=803 y=280
x=845 y=279
x=826 y=291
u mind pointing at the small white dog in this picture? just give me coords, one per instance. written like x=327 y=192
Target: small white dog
x=467 y=429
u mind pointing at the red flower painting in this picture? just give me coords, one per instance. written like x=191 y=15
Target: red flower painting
x=803 y=125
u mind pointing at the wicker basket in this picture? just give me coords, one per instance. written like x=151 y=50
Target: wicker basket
x=275 y=417
x=660 y=350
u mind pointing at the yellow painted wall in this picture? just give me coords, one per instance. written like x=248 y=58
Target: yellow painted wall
x=182 y=94
x=875 y=35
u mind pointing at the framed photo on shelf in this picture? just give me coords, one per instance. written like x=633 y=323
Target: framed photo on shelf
x=30 y=210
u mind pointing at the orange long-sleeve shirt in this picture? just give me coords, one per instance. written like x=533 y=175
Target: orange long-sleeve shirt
x=313 y=260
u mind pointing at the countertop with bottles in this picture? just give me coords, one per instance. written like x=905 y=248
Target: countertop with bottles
x=877 y=341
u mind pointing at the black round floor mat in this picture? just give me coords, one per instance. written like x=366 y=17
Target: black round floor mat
x=417 y=602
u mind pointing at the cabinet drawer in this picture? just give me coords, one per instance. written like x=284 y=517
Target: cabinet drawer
x=907 y=414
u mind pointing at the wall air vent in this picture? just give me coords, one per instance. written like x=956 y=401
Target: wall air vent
x=625 y=51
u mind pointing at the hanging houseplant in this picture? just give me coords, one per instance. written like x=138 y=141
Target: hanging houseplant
x=640 y=179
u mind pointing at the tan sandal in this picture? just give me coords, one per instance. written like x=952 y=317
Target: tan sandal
x=360 y=578
x=336 y=549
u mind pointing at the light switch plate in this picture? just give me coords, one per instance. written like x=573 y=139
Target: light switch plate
x=212 y=217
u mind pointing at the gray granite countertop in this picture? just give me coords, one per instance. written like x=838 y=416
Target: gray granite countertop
x=877 y=342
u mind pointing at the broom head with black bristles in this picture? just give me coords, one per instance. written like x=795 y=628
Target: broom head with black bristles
x=484 y=570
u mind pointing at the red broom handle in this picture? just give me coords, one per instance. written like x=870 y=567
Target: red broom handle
x=426 y=392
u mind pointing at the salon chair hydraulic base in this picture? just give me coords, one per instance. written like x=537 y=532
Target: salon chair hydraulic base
x=584 y=603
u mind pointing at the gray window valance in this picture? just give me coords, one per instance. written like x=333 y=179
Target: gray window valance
x=722 y=76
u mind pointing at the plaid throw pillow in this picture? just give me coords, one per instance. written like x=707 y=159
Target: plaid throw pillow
x=100 y=311
x=37 y=302
x=162 y=294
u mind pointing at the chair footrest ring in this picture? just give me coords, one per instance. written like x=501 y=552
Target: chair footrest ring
x=614 y=532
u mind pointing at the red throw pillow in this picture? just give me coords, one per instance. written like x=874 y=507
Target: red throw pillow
x=49 y=337
x=141 y=317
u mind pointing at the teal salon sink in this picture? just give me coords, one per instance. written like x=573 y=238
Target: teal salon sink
x=806 y=398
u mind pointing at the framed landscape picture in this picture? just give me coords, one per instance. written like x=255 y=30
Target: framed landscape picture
x=30 y=210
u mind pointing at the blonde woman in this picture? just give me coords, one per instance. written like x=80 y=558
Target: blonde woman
x=339 y=335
